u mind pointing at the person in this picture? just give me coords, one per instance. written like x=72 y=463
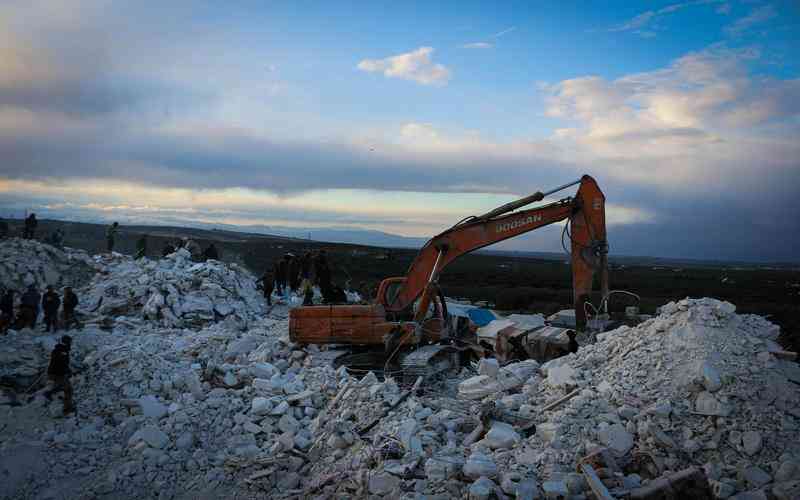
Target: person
x=57 y=238
x=322 y=271
x=305 y=266
x=194 y=249
x=211 y=252
x=50 y=304
x=6 y=310
x=168 y=249
x=294 y=273
x=308 y=292
x=283 y=273
x=267 y=285
x=29 y=307
x=70 y=302
x=3 y=229
x=141 y=247
x=277 y=276
x=111 y=235
x=59 y=373
x=30 y=227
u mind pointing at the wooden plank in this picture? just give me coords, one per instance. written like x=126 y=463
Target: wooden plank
x=562 y=400
x=598 y=488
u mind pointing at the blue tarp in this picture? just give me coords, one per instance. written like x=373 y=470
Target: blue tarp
x=481 y=317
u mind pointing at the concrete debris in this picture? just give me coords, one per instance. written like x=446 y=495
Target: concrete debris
x=203 y=394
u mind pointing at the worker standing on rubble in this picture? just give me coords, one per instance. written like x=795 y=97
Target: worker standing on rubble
x=29 y=307
x=267 y=285
x=294 y=273
x=30 y=227
x=50 y=304
x=3 y=229
x=111 y=235
x=276 y=277
x=283 y=273
x=59 y=373
x=6 y=311
x=168 y=249
x=141 y=247
x=322 y=271
x=211 y=252
x=305 y=266
x=70 y=302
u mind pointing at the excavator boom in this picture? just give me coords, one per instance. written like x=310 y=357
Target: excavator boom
x=586 y=218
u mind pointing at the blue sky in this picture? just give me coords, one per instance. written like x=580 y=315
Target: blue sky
x=406 y=117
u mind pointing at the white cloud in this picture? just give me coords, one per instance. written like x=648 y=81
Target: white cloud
x=757 y=16
x=504 y=32
x=698 y=118
x=477 y=45
x=638 y=23
x=416 y=66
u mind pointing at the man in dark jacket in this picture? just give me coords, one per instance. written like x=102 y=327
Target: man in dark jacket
x=30 y=227
x=283 y=272
x=111 y=236
x=322 y=271
x=305 y=266
x=267 y=285
x=29 y=307
x=141 y=247
x=70 y=302
x=294 y=273
x=59 y=373
x=6 y=311
x=211 y=253
x=50 y=304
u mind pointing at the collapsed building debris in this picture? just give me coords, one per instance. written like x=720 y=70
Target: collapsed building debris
x=226 y=405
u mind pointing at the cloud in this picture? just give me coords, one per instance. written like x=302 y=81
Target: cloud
x=504 y=32
x=702 y=118
x=416 y=66
x=477 y=45
x=757 y=16
x=638 y=23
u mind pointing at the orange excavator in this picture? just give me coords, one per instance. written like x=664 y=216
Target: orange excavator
x=411 y=310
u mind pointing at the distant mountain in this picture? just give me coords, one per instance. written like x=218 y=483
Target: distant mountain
x=354 y=236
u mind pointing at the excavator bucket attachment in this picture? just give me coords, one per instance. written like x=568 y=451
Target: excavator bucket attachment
x=587 y=232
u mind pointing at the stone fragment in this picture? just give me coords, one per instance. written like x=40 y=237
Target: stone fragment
x=153 y=436
x=260 y=406
x=616 y=438
x=443 y=467
x=479 y=464
x=152 y=408
x=711 y=378
x=383 y=483
x=528 y=489
x=501 y=435
x=488 y=367
x=751 y=442
x=482 y=489
x=756 y=477
x=556 y=490
x=185 y=441
x=561 y=376
x=707 y=404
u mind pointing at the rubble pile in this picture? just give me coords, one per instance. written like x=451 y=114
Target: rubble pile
x=174 y=292
x=29 y=262
x=696 y=386
x=191 y=388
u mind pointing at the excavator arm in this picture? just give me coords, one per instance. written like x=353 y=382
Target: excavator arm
x=585 y=213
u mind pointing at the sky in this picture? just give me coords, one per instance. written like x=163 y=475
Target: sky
x=408 y=116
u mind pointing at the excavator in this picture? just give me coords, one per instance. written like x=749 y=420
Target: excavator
x=408 y=319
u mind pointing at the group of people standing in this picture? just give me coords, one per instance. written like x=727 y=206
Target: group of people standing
x=293 y=274
x=32 y=304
